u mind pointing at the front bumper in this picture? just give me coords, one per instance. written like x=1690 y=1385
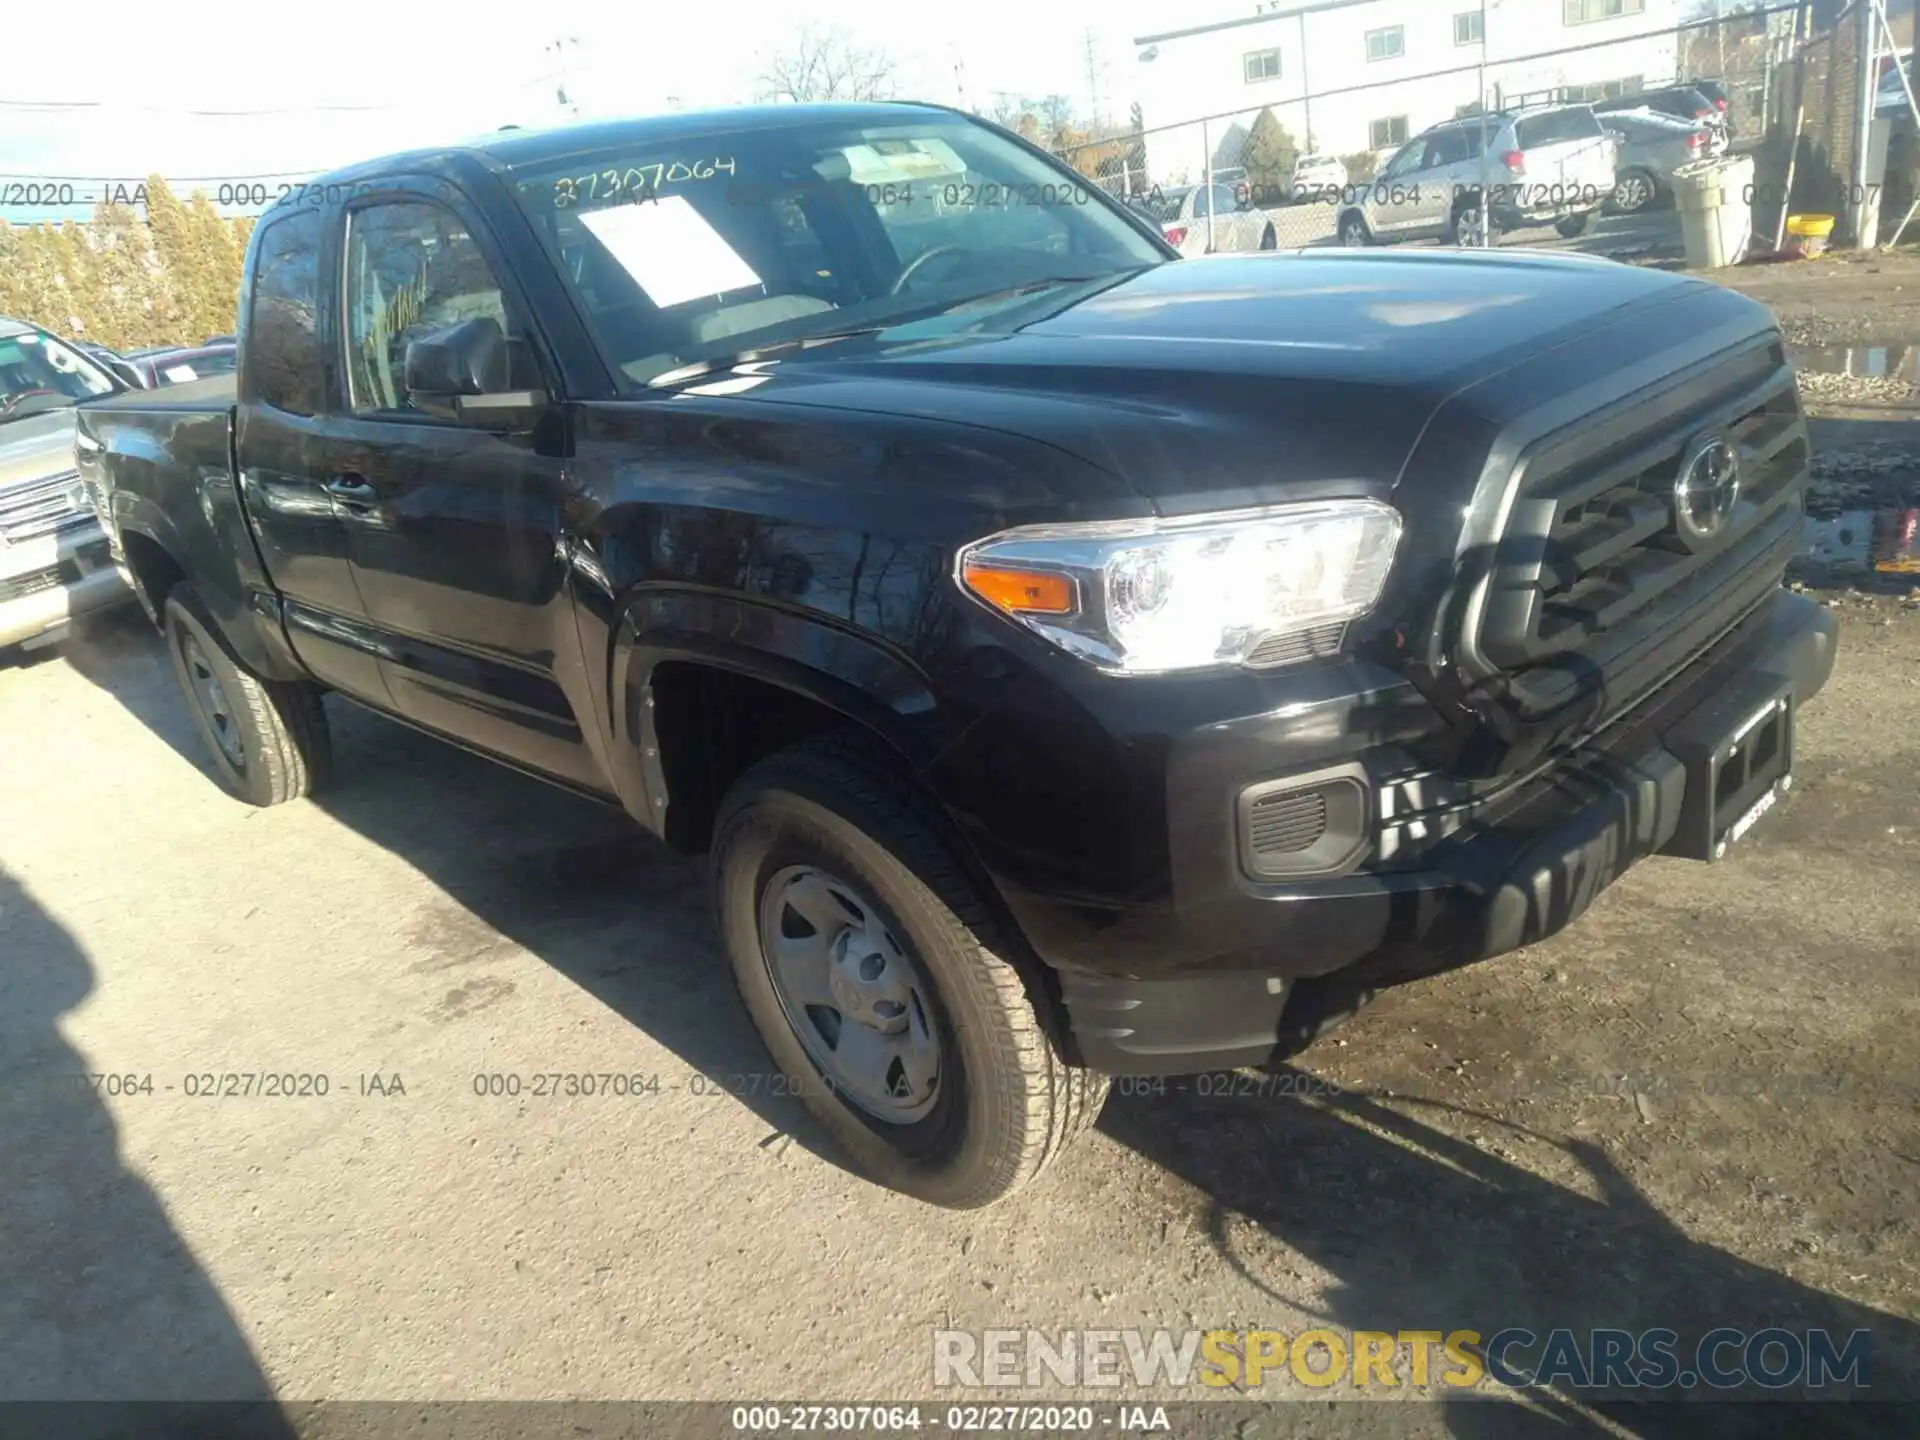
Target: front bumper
x=47 y=582
x=1259 y=967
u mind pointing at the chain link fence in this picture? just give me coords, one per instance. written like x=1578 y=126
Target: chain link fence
x=1281 y=174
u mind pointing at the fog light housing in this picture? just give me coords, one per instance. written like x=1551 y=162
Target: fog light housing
x=1305 y=826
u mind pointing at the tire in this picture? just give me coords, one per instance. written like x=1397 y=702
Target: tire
x=268 y=739
x=1269 y=239
x=1462 y=227
x=1634 y=191
x=1570 y=227
x=1003 y=1106
x=1353 y=230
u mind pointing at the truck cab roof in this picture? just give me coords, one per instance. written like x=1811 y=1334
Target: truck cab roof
x=513 y=149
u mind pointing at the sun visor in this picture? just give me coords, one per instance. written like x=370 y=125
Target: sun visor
x=893 y=162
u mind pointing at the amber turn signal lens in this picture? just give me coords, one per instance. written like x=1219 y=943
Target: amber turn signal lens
x=1027 y=592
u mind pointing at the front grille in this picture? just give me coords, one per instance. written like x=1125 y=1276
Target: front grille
x=1595 y=556
x=18 y=587
x=44 y=507
x=1286 y=824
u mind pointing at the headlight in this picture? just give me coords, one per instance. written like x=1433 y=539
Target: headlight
x=1148 y=596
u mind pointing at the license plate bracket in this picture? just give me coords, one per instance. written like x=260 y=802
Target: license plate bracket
x=1738 y=753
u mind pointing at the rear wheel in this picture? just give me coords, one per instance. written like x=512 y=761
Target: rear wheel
x=267 y=739
x=1269 y=238
x=877 y=978
x=1353 y=230
x=1571 y=226
x=1634 y=191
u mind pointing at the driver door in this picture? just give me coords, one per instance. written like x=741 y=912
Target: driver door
x=456 y=533
x=1388 y=196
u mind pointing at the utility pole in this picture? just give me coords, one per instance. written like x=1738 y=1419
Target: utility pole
x=1867 y=46
x=561 y=50
x=1486 y=183
x=1306 y=89
x=1093 y=76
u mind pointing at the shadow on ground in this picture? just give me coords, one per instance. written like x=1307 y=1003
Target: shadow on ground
x=1423 y=1230
x=100 y=1299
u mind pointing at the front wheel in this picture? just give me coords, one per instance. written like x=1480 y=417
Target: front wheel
x=1571 y=227
x=268 y=739
x=1353 y=230
x=875 y=974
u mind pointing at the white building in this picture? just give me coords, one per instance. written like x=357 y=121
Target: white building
x=1353 y=75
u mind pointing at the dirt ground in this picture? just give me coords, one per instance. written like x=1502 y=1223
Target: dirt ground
x=1699 y=1106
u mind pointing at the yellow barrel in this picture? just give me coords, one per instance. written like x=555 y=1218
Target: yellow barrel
x=1809 y=234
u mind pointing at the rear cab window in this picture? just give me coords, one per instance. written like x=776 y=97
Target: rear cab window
x=283 y=359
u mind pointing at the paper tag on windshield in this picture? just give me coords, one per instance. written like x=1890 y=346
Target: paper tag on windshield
x=179 y=374
x=670 y=250
x=898 y=162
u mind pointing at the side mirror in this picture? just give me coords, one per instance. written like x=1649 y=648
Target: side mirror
x=466 y=373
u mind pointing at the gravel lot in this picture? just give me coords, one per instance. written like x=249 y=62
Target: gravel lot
x=1695 y=1108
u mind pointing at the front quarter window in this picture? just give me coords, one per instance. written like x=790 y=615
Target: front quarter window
x=689 y=251
x=39 y=372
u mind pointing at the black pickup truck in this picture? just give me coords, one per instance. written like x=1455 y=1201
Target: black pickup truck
x=1076 y=661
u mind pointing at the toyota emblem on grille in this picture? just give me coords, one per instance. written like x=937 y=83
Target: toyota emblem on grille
x=1707 y=490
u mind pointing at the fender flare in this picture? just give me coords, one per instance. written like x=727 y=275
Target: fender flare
x=806 y=653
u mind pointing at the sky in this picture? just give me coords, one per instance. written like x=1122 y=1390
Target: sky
x=114 y=101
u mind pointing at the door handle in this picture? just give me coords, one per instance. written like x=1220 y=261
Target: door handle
x=354 y=488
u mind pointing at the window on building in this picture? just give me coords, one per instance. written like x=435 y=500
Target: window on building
x=1467 y=28
x=1585 y=12
x=1599 y=90
x=1385 y=134
x=1260 y=65
x=1387 y=44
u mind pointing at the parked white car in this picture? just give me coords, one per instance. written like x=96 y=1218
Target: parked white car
x=1315 y=177
x=1211 y=219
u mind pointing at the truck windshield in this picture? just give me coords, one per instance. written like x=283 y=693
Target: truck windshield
x=38 y=372
x=691 y=251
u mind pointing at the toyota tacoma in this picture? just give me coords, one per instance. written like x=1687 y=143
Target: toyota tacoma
x=1075 y=660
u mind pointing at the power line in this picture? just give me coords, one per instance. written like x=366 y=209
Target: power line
x=170 y=179
x=65 y=105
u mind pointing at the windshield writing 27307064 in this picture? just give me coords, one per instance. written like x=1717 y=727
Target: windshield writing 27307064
x=636 y=182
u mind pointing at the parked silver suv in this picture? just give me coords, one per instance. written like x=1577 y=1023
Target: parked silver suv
x=1553 y=164
x=54 y=562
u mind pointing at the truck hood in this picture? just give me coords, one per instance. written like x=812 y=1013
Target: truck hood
x=36 y=447
x=1232 y=380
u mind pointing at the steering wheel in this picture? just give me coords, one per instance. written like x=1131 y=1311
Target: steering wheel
x=912 y=267
x=19 y=395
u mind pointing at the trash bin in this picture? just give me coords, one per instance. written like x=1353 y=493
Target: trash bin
x=1715 y=201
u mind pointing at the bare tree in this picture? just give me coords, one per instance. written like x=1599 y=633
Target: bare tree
x=825 y=64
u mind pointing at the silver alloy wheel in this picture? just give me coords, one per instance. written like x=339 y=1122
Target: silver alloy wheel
x=211 y=696
x=1469 y=228
x=853 y=995
x=1633 y=192
x=1353 y=234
